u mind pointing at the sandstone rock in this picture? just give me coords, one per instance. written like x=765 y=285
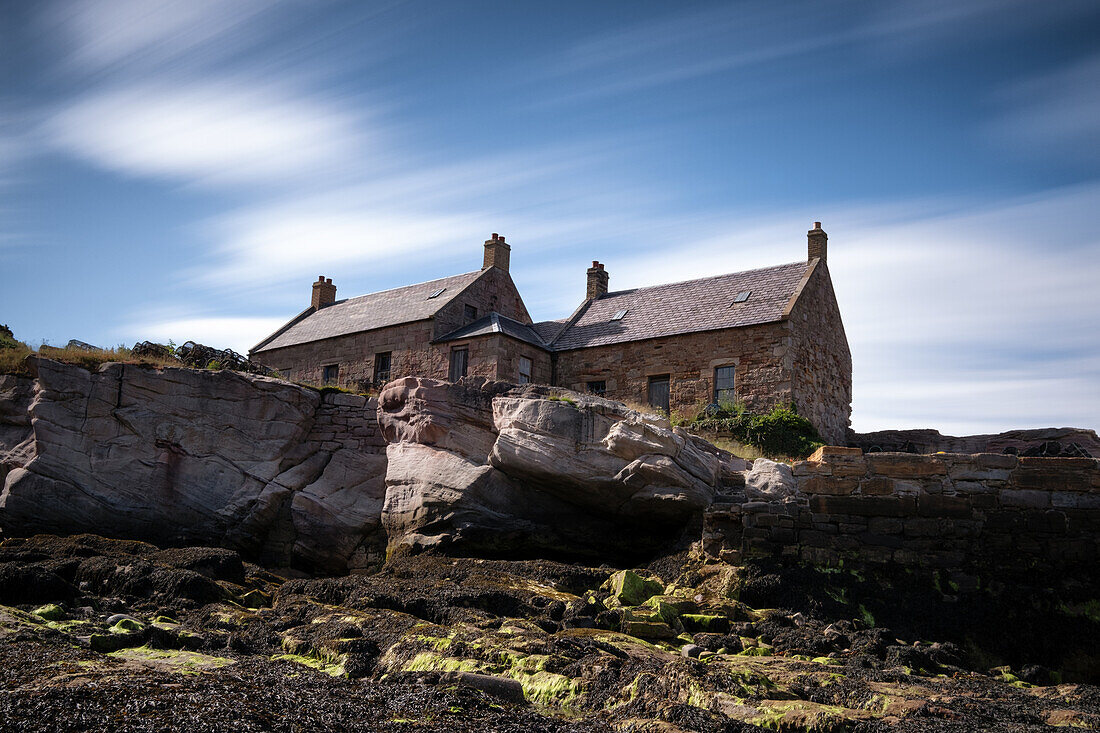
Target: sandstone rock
x=182 y=456
x=494 y=468
x=769 y=480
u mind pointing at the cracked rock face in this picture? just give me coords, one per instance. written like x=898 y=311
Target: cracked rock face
x=180 y=456
x=486 y=468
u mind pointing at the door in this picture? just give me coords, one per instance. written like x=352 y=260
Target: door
x=658 y=392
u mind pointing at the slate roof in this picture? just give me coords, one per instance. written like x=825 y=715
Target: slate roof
x=496 y=323
x=367 y=312
x=684 y=307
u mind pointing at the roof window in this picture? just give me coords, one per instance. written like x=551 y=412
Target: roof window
x=436 y=293
x=742 y=296
x=619 y=315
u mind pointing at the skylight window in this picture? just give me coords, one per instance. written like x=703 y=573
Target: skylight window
x=742 y=296
x=436 y=293
x=619 y=315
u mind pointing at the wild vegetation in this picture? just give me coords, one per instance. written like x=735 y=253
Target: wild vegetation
x=780 y=433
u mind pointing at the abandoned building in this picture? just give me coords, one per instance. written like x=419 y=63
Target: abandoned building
x=762 y=337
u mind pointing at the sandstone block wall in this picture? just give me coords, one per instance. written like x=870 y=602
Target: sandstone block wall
x=761 y=356
x=822 y=367
x=966 y=515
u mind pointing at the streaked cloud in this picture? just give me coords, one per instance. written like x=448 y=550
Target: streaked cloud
x=213 y=133
x=1053 y=113
x=146 y=33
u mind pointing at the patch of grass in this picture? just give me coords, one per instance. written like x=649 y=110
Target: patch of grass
x=560 y=397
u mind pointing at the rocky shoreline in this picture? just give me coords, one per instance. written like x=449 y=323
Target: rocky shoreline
x=111 y=634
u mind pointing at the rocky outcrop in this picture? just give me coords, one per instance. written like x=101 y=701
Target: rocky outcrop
x=295 y=478
x=484 y=467
x=181 y=456
x=1013 y=441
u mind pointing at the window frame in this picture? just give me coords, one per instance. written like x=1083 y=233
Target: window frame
x=469 y=313
x=455 y=351
x=731 y=389
x=379 y=373
x=590 y=387
x=530 y=370
x=335 y=372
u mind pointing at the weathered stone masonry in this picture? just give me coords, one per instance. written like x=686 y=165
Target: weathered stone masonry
x=963 y=515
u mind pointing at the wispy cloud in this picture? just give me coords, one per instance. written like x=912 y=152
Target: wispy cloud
x=733 y=36
x=142 y=34
x=214 y=133
x=1057 y=112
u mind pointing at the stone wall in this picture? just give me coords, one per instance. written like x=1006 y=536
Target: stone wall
x=761 y=355
x=822 y=368
x=968 y=516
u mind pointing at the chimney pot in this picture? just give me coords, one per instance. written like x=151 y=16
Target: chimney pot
x=597 y=281
x=817 y=243
x=496 y=253
x=324 y=293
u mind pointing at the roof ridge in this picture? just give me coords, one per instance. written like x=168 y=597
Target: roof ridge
x=702 y=279
x=410 y=285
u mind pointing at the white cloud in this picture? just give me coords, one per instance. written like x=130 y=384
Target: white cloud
x=213 y=132
x=234 y=332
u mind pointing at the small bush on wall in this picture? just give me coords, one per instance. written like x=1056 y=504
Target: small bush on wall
x=779 y=433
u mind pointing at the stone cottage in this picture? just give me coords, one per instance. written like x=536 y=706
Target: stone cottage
x=761 y=337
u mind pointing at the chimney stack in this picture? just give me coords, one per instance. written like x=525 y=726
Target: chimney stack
x=324 y=293
x=817 y=243
x=597 y=281
x=496 y=253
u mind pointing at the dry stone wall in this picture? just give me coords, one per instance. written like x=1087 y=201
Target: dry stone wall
x=965 y=515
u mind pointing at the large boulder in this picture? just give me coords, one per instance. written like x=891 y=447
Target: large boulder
x=488 y=468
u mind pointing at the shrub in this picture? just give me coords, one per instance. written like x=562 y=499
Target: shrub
x=779 y=433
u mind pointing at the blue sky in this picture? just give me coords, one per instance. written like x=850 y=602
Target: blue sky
x=186 y=169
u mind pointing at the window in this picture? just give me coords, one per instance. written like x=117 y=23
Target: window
x=436 y=293
x=742 y=296
x=330 y=374
x=524 y=370
x=723 y=385
x=597 y=388
x=619 y=315
x=459 y=356
x=471 y=313
x=382 y=364
x=659 y=392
